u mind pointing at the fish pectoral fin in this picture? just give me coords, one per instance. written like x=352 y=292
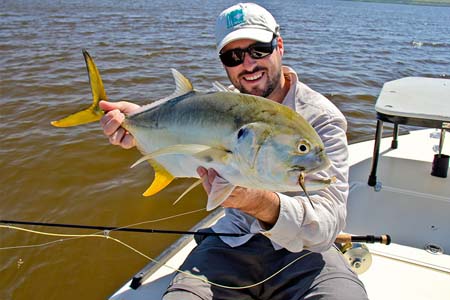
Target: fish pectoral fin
x=162 y=179
x=93 y=113
x=214 y=154
x=187 y=149
x=220 y=191
x=199 y=181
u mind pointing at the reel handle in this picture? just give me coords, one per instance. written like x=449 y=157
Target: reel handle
x=344 y=238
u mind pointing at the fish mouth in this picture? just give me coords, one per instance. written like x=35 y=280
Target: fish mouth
x=324 y=165
x=297 y=169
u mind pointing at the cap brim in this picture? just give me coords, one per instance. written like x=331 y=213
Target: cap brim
x=256 y=34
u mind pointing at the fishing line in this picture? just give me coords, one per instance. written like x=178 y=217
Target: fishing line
x=101 y=232
x=127 y=229
x=384 y=239
x=108 y=237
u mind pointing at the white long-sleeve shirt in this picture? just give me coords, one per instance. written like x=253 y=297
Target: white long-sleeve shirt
x=300 y=226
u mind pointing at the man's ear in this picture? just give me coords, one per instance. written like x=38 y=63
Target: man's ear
x=280 y=46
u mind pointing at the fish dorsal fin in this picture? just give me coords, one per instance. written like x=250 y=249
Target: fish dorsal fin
x=220 y=87
x=183 y=86
x=162 y=179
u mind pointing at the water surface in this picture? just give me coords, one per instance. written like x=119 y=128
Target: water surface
x=345 y=50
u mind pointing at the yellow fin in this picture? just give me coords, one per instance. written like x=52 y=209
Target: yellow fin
x=182 y=84
x=93 y=113
x=82 y=117
x=162 y=179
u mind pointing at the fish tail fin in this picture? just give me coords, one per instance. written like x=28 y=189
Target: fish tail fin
x=92 y=113
x=162 y=179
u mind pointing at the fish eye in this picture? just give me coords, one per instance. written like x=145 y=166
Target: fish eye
x=303 y=147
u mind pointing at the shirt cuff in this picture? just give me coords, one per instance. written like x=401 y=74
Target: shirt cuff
x=288 y=224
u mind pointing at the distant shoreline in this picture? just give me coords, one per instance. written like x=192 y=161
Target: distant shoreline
x=413 y=2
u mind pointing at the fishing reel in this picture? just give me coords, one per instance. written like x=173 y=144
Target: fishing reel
x=356 y=252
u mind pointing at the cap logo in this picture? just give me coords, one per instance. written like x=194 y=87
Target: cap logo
x=235 y=17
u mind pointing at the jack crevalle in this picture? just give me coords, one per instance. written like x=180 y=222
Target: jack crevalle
x=250 y=141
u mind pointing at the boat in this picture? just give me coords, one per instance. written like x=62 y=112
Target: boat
x=398 y=186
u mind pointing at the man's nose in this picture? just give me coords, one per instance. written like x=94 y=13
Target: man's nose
x=249 y=62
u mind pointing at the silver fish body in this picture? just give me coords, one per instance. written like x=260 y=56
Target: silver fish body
x=250 y=141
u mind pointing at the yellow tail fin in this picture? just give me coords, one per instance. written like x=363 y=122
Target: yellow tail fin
x=162 y=179
x=92 y=113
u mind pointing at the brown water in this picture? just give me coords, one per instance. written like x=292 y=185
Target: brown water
x=345 y=50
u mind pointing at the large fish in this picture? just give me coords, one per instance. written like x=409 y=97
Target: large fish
x=250 y=141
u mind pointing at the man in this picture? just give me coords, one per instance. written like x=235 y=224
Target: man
x=280 y=230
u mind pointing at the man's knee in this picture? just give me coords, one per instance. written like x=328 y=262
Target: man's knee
x=337 y=289
x=189 y=287
x=177 y=295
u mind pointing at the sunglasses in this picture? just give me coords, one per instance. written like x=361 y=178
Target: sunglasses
x=235 y=57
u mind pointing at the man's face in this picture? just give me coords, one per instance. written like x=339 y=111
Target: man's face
x=260 y=77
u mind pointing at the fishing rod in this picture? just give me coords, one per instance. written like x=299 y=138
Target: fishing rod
x=108 y=228
x=341 y=238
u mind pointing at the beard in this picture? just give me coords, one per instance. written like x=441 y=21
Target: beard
x=273 y=81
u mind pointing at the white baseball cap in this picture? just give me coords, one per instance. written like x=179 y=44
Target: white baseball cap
x=245 y=21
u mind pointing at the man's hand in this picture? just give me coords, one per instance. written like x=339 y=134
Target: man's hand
x=263 y=205
x=111 y=121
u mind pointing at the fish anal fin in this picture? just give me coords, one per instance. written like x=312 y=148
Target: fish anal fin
x=190 y=188
x=162 y=179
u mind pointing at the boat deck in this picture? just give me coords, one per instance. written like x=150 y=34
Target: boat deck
x=413 y=207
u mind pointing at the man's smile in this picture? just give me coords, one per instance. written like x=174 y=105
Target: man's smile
x=253 y=77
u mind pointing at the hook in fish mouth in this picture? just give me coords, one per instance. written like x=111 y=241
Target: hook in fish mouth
x=301 y=182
